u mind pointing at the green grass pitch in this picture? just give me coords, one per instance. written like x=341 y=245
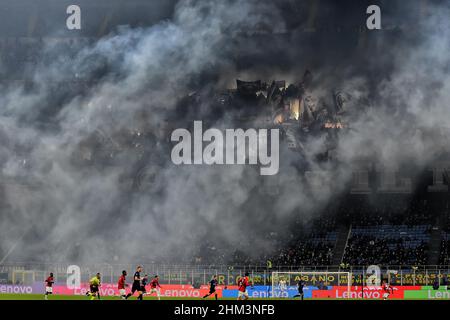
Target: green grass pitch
x=81 y=297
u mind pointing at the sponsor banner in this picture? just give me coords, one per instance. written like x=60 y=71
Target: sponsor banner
x=358 y=292
x=266 y=292
x=182 y=291
x=406 y=278
x=188 y=291
x=105 y=290
x=255 y=292
x=19 y=289
x=418 y=278
x=334 y=292
x=441 y=287
x=428 y=294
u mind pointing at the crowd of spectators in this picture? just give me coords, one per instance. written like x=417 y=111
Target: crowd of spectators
x=396 y=233
x=390 y=235
x=377 y=236
x=306 y=254
x=444 y=257
x=314 y=246
x=368 y=250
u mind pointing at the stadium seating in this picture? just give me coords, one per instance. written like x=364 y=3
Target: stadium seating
x=444 y=258
x=388 y=245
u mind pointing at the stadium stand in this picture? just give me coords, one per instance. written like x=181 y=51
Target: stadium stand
x=444 y=258
x=388 y=245
x=444 y=250
x=315 y=248
x=390 y=236
x=396 y=234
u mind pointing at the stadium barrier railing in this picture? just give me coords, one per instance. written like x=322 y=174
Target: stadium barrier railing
x=196 y=275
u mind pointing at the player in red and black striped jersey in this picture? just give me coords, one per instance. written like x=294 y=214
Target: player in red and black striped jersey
x=387 y=290
x=49 y=285
x=243 y=283
x=121 y=285
x=155 y=287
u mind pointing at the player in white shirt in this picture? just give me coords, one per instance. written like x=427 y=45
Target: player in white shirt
x=282 y=285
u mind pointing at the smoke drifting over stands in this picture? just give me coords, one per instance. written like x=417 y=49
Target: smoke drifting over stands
x=86 y=118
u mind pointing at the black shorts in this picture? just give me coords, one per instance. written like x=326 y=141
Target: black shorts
x=93 y=288
x=142 y=289
x=135 y=287
x=212 y=290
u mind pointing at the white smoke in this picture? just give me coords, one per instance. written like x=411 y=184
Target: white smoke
x=64 y=204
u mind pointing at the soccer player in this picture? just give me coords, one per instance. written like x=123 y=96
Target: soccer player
x=212 y=287
x=300 y=287
x=388 y=290
x=121 y=285
x=243 y=283
x=155 y=287
x=144 y=282
x=137 y=283
x=49 y=285
x=94 y=285
x=282 y=285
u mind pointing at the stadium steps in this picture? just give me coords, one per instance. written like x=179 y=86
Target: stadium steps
x=341 y=242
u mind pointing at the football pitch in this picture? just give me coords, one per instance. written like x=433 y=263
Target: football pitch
x=116 y=298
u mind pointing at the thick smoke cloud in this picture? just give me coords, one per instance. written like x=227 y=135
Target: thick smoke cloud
x=61 y=205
